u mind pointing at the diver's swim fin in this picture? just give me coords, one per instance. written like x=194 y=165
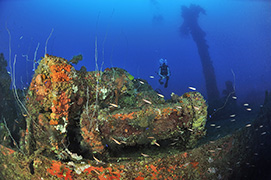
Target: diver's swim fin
x=166 y=84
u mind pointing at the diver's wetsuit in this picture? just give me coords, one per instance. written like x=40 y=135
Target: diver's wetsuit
x=164 y=73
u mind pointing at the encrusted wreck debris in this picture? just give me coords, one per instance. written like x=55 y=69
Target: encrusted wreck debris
x=95 y=112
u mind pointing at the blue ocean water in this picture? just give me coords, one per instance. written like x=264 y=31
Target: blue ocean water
x=134 y=35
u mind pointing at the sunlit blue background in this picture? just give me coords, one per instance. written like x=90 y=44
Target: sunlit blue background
x=135 y=34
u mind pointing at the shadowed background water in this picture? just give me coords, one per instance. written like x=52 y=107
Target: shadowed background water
x=134 y=35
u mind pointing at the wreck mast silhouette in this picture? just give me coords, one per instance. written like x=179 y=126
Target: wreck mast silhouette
x=190 y=26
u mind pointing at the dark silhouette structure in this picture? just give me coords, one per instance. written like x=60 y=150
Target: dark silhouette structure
x=190 y=26
x=10 y=118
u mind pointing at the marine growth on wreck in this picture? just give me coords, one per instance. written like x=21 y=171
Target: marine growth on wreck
x=110 y=125
x=99 y=117
x=86 y=114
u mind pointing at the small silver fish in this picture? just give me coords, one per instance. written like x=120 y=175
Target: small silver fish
x=96 y=171
x=246 y=104
x=141 y=82
x=114 y=105
x=248 y=125
x=145 y=155
x=234 y=97
x=233 y=115
x=213 y=125
x=156 y=143
x=192 y=88
x=162 y=96
x=151 y=77
x=249 y=109
x=263 y=133
x=97 y=160
x=197 y=108
x=116 y=141
x=146 y=101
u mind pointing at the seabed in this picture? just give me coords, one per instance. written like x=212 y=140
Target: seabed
x=109 y=125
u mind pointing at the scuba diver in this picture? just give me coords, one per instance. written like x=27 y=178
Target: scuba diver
x=164 y=72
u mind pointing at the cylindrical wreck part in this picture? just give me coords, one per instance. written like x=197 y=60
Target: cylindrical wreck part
x=184 y=119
